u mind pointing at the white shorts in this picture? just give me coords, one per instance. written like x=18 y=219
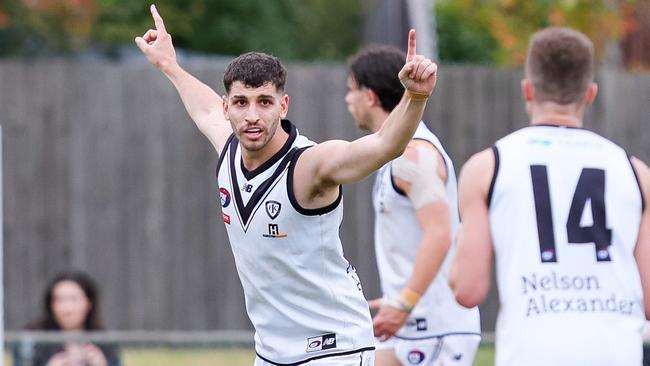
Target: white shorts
x=455 y=349
x=365 y=358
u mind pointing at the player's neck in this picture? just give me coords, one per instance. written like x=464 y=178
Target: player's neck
x=253 y=159
x=555 y=114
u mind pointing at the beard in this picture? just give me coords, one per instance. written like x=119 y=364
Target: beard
x=266 y=135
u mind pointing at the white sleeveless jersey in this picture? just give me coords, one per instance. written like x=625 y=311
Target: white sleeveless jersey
x=565 y=210
x=302 y=296
x=397 y=239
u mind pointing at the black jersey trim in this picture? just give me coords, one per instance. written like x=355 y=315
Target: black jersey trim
x=246 y=211
x=397 y=189
x=291 y=193
x=224 y=152
x=638 y=183
x=372 y=348
x=495 y=150
x=290 y=129
x=559 y=126
x=439 y=336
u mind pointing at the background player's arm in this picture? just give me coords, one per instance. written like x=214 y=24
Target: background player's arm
x=433 y=218
x=203 y=104
x=470 y=274
x=332 y=163
x=642 y=250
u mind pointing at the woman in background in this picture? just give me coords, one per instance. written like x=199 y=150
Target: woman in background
x=71 y=304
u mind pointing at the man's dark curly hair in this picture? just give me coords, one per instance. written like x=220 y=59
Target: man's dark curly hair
x=255 y=69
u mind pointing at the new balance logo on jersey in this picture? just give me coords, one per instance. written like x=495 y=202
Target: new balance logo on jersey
x=321 y=343
x=247 y=188
x=274 y=232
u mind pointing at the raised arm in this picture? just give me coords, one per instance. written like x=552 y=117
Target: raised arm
x=471 y=271
x=203 y=104
x=332 y=163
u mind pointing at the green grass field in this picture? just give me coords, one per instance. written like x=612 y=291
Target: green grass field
x=220 y=357
x=229 y=357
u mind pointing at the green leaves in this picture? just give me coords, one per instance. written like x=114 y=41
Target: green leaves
x=290 y=29
x=497 y=31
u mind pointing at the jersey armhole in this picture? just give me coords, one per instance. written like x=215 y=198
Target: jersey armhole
x=393 y=184
x=292 y=197
x=638 y=183
x=495 y=150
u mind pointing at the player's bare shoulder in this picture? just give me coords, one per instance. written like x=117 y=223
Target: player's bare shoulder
x=642 y=171
x=479 y=168
x=424 y=155
x=421 y=172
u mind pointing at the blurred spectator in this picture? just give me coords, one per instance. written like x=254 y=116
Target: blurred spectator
x=71 y=304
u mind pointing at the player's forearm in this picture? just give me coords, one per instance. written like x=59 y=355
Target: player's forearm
x=399 y=127
x=469 y=284
x=428 y=260
x=199 y=100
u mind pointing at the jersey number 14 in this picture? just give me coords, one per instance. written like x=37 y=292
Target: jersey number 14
x=590 y=188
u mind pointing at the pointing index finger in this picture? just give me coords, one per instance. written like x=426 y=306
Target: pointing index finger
x=411 y=52
x=160 y=25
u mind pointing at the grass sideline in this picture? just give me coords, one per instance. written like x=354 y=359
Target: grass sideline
x=220 y=357
x=228 y=357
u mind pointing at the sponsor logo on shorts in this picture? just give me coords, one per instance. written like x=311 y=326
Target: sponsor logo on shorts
x=421 y=324
x=458 y=356
x=417 y=324
x=225 y=197
x=415 y=357
x=321 y=343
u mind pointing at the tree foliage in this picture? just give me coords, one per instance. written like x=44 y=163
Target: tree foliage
x=498 y=30
x=291 y=29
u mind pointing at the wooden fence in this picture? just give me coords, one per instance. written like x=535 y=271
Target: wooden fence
x=105 y=172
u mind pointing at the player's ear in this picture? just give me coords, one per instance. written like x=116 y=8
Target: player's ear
x=284 y=106
x=590 y=94
x=527 y=90
x=224 y=103
x=372 y=97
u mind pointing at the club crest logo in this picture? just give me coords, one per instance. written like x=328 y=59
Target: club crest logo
x=225 y=197
x=415 y=357
x=273 y=209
